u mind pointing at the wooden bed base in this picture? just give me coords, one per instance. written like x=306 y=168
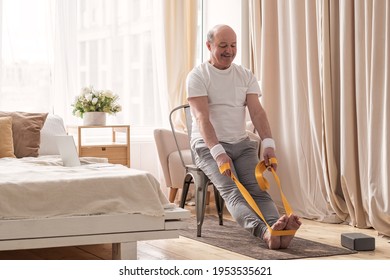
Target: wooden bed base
x=122 y=230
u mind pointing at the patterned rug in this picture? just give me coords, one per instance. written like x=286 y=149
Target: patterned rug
x=232 y=237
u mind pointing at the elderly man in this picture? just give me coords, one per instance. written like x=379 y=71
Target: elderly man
x=218 y=93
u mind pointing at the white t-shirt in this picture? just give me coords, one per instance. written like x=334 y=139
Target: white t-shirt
x=226 y=91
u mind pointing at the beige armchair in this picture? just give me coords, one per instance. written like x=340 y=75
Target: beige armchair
x=171 y=164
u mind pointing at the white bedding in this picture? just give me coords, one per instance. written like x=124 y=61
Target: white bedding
x=41 y=187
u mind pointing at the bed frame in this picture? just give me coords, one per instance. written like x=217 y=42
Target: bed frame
x=122 y=230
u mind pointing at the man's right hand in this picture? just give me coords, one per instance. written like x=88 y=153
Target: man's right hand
x=222 y=159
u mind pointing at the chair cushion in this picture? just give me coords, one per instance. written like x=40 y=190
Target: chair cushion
x=176 y=170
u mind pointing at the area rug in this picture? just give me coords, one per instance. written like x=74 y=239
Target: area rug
x=232 y=237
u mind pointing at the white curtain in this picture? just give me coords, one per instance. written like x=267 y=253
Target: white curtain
x=65 y=70
x=25 y=59
x=1 y=40
x=325 y=72
x=292 y=96
x=255 y=29
x=179 y=29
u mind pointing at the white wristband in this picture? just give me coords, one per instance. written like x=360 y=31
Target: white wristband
x=268 y=143
x=217 y=150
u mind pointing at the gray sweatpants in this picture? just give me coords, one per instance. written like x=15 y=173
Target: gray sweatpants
x=245 y=158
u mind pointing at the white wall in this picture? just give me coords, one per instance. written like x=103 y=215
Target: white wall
x=143 y=156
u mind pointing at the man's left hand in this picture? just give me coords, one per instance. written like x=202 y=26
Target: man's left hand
x=267 y=154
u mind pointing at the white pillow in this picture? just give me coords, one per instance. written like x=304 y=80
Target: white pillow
x=54 y=125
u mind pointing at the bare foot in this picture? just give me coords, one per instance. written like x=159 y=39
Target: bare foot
x=294 y=223
x=274 y=242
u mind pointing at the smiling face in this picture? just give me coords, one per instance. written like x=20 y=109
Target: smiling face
x=222 y=46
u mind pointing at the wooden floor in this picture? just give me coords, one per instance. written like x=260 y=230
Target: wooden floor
x=187 y=249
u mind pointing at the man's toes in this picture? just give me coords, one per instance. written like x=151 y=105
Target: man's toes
x=293 y=222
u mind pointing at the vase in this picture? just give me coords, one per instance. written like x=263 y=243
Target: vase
x=94 y=118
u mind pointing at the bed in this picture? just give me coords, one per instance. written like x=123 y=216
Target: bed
x=44 y=204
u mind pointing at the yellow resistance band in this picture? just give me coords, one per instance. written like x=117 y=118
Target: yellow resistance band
x=264 y=185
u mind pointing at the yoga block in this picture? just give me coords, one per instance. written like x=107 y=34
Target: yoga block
x=358 y=241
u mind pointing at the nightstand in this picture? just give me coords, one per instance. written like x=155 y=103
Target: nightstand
x=109 y=141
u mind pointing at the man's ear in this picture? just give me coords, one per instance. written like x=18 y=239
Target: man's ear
x=208 y=45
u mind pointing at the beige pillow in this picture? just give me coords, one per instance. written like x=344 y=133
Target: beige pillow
x=6 y=141
x=26 y=129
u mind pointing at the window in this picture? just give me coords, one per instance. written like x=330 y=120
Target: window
x=222 y=12
x=115 y=51
x=115 y=48
x=25 y=56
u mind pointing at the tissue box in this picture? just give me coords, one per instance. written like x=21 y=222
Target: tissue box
x=358 y=241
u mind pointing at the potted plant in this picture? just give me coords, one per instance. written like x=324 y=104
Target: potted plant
x=93 y=105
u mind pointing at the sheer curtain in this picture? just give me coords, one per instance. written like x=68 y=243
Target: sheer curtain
x=325 y=73
x=140 y=49
x=39 y=65
x=25 y=56
x=178 y=50
x=255 y=29
x=64 y=36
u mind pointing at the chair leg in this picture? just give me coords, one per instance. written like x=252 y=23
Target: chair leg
x=220 y=204
x=201 y=184
x=172 y=194
x=186 y=187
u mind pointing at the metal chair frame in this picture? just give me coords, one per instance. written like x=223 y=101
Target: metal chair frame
x=195 y=175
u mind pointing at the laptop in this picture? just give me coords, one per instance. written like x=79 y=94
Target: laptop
x=68 y=151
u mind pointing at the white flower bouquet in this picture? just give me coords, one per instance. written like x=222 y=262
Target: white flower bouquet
x=91 y=100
